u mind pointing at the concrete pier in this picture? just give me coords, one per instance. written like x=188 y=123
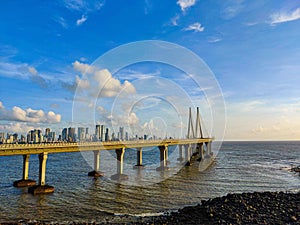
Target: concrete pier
x=42 y=188
x=120 y=162
x=96 y=172
x=163 y=158
x=200 y=151
x=139 y=158
x=208 y=151
x=25 y=182
x=180 y=158
x=188 y=151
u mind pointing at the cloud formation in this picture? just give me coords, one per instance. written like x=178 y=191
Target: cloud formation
x=196 y=27
x=81 y=20
x=32 y=70
x=185 y=4
x=28 y=115
x=83 y=5
x=101 y=83
x=16 y=127
x=283 y=17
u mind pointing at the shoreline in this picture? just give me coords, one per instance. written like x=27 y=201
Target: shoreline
x=245 y=208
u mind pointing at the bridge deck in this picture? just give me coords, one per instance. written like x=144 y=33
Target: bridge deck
x=23 y=149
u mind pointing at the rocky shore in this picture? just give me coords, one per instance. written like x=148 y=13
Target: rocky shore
x=245 y=208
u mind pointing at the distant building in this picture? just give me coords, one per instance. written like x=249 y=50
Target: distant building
x=81 y=133
x=121 y=133
x=107 y=134
x=71 y=134
x=47 y=132
x=102 y=133
x=51 y=136
x=2 y=137
x=97 y=133
x=64 y=134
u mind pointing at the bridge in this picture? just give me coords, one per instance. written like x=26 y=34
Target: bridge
x=191 y=145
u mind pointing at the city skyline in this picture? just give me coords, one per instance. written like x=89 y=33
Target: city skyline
x=69 y=134
x=251 y=47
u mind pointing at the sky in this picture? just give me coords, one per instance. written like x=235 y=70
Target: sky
x=51 y=73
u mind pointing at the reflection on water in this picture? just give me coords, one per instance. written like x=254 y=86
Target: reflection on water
x=239 y=167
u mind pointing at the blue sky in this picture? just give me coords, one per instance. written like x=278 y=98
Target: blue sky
x=252 y=47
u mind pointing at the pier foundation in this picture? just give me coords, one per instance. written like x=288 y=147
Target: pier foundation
x=163 y=158
x=188 y=150
x=96 y=172
x=139 y=159
x=200 y=151
x=42 y=187
x=25 y=182
x=120 y=162
x=180 y=158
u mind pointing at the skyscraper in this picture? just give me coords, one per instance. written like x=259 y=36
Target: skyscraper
x=97 y=132
x=71 y=134
x=81 y=133
x=121 y=134
x=64 y=134
x=102 y=133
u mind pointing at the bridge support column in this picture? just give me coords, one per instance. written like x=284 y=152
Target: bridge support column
x=120 y=162
x=139 y=158
x=42 y=188
x=209 y=152
x=163 y=158
x=188 y=149
x=200 y=151
x=96 y=172
x=25 y=182
x=180 y=158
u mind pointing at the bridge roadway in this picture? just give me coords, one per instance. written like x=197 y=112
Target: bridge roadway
x=191 y=146
x=59 y=147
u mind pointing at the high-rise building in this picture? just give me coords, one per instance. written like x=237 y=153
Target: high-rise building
x=2 y=137
x=102 y=133
x=97 y=132
x=64 y=134
x=121 y=133
x=51 y=136
x=47 y=132
x=81 y=133
x=107 y=134
x=71 y=134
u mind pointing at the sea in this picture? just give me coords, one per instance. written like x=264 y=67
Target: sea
x=238 y=167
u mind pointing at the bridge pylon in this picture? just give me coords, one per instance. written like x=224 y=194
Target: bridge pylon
x=194 y=133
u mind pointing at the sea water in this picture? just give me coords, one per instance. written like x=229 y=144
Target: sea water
x=238 y=167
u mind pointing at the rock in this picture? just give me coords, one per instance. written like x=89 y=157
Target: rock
x=293 y=218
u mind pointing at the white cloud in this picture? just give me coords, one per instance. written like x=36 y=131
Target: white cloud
x=82 y=83
x=283 y=17
x=83 y=68
x=81 y=20
x=61 y=21
x=32 y=70
x=196 y=27
x=185 y=4
x=83 y=6
x=214 y=39
x=16 y=127
x=28 y=115
x=104 y=84
x=109 y=86
x=174 y=20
